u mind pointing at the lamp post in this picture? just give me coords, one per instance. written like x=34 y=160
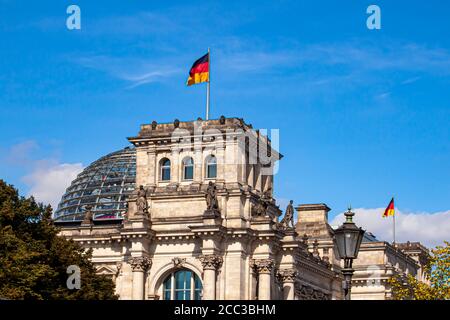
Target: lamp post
x=348 y=240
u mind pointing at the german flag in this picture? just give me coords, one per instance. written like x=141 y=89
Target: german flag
x=390 y=211
x=200 y=71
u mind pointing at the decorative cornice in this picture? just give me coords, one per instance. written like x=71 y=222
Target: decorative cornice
x=140 y=263
x=211 y=261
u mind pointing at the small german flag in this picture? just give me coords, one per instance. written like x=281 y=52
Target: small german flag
x=390 y=211
x=200 y=71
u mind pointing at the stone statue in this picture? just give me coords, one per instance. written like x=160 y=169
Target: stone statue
x=211 y=197
x=141 y=202
x=259 y=209
x=267 y=195
x=88 y=216
x=288 y=219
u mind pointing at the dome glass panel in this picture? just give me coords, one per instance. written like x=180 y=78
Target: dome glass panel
x=104 y=186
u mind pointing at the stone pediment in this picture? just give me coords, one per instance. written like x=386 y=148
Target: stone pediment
x=106 y=270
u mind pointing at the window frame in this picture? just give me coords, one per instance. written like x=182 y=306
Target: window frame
x=172 y=289
x=208 y=164
x=163 y=167
x=184 y=167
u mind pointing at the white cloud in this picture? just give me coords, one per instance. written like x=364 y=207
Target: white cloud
x=19 y=154
x=135 y=71
x=46 y=178
x=431 y=229
x=49 y=179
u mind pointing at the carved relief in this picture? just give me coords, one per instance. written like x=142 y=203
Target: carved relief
x=140 y=263
x=316 y=249
x=259 y=209
x=287 y=275
x=178 y=262
x=263 y=265
x=118 y=268
x=211 y=261
x=305 y=292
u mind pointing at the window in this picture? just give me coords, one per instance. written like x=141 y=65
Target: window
x=211 y=167
x=188 y=168
x=182 y=285
x=165 y=169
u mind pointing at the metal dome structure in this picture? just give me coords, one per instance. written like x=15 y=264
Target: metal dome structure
x=103 y=187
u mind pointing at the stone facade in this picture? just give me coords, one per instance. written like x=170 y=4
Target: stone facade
x=377 y=260
x=235 y=246
x=204 y=205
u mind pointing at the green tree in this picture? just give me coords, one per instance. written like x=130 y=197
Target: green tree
x=438 y=270
x=34 y=259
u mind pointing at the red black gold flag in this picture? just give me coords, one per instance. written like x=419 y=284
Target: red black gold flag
x=200 y=71
x=390 y=211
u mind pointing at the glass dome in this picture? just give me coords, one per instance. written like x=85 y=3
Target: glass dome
x=104 y=186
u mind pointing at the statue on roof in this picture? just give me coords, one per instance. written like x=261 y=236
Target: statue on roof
x=288 y=219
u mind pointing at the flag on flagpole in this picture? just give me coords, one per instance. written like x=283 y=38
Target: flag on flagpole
x=390 y=210
x=199 y=71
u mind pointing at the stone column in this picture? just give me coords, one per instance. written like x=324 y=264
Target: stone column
x=153 y=173
x=287 y=277
x=139 y=266
x=264 y=268
x=211 y=263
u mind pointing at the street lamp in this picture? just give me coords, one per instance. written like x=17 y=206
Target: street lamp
x=348 y=240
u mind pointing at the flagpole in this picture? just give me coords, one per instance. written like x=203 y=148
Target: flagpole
x=207 y=85
x=393 y=219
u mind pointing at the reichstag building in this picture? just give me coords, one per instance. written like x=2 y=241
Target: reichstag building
x=187 y=212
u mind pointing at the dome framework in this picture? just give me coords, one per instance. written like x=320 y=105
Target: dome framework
x=104 y=186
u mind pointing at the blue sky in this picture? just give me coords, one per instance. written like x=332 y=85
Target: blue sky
x=363 y=114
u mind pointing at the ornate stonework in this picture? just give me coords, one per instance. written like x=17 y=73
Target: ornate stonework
x=88 y=216
x=141 y=202
x=305 y=292
x=211 y=261
x=288 y=220
x=287 y=275
x=178 y=262
x=140 y=263
x=168 y=222
x=263 y=265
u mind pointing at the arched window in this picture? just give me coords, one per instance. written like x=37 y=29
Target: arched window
x=165 y=169
x=211 y=167
x=188 y=168
x=182 y=285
